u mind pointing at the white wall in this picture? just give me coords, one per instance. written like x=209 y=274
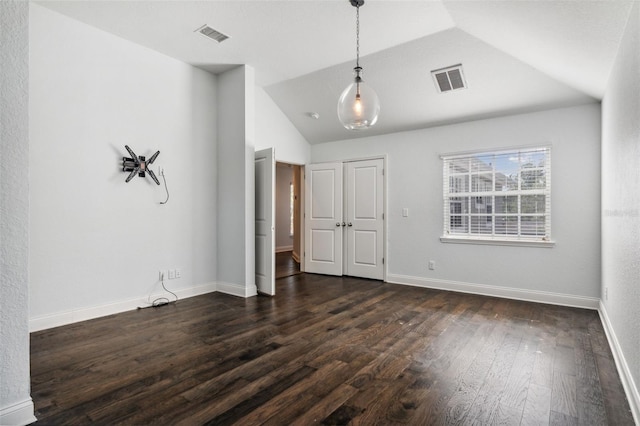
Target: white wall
x=250 y=182
x=16 y=406
x=273 y=129
x=97 y=243
x=284 y=177
x=236 y=183
x=621 y=208
x=414 y=179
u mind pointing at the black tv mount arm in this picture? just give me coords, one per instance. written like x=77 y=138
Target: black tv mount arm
x=138 y=164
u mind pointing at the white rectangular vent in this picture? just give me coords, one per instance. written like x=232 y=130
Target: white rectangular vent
x=449 y=79
x=209 y=32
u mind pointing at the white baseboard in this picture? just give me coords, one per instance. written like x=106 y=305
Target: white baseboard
x=283 y=249
x=18 y=414
x=630 y=388
x=76 y=315
x=237 y=289
x=497 y=291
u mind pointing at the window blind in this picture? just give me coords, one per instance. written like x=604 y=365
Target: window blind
x=498 y=195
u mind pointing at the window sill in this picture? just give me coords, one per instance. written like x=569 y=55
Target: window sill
x=494 y=242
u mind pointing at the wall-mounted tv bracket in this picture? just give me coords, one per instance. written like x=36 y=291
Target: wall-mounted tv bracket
x=138 y=164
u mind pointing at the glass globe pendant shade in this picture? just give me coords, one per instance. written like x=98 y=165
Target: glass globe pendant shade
x=358 y=106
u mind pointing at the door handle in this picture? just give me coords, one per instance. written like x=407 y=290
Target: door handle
x=343 y=224
x=338 y=224
x=350 y=224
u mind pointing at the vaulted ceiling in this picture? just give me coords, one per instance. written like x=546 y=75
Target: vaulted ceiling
x=517 y=56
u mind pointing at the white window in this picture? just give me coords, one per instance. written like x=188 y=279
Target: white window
x=498 y=197
x=292 y=198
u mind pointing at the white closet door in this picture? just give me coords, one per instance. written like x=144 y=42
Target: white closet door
x=364 y=217
x=323 y=221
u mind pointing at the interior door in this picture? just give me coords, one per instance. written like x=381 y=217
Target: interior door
x=265 y=167
x=323 y=221
x=364 y=245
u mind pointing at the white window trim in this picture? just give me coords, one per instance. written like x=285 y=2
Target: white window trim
x=497 y=242
x=516 y=240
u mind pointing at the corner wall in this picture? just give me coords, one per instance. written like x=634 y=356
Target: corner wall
x=16 y=406
x=97 y=243
x=621 y=210
x=236 y=184
x=566 y=274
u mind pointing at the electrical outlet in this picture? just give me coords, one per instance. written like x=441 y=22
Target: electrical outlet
x=162 y=274
x=178 y=273
x=432 y=265
x=405 y=212
x=172 y=274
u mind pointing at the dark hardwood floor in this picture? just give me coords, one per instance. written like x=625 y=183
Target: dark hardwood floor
x=331 y=351
x=285 y=265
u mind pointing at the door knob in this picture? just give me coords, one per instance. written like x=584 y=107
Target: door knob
x=344 y=224
x=350 y=224
x=338 y=224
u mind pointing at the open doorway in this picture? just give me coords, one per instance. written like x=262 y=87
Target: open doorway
x=287 y=221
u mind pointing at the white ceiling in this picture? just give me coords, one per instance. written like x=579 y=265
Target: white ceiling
x=517 y=55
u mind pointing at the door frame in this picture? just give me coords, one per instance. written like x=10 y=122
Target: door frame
x=303 y=215
x=302 y=212
x=300 y=230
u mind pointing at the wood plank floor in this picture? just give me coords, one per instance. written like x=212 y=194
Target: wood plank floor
x=285 y=265
x=331 y=351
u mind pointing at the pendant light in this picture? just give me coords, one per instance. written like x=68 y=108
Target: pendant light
x=358 y=106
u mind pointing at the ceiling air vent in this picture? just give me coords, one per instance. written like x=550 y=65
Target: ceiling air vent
x=449 y=79
x=209 y=32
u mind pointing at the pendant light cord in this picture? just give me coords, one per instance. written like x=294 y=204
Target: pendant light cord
x=357 y=36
